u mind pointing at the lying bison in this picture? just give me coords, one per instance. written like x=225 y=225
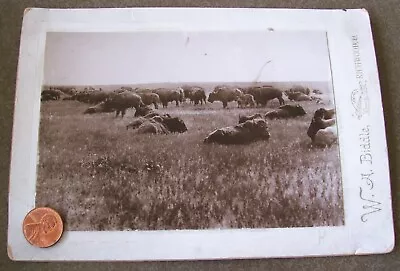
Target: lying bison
x=244 y=133
x=322 y=129
x=143 y=111
x=262 y=95
x=224 y=94
x=158 y=125
x=286 y=111
x=298 y=96
x=251 y=117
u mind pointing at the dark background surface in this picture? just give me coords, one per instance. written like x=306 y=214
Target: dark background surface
x=385 y=18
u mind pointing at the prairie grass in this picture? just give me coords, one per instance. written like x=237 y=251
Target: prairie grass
x=101 y=176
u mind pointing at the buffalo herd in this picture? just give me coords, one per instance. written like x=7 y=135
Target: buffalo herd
x=322 y=130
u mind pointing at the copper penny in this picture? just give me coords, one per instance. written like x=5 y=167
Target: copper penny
x=42 y=227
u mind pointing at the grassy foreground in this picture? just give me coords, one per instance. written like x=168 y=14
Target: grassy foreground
x=102 y=177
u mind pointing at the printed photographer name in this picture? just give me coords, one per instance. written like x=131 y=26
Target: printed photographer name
x=359 y=96
x=369 y=204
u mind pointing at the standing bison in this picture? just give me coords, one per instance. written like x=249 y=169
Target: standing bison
x=199 y=96
x=195 y=94
x=149 y=98
x=168 y=95
x=121 y=102
x=224 y=94
x=286 y=111
x=264 y=94
x=243 y=133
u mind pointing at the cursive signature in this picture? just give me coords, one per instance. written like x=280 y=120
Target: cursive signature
x=371 y=206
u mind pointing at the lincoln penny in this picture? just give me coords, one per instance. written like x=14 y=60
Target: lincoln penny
x=42 y=227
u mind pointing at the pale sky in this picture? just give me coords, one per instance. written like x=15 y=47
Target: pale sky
x=158 y=57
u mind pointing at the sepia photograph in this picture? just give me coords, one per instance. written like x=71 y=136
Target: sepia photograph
x=163 y=130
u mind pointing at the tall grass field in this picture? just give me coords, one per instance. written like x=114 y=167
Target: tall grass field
x=100 y=176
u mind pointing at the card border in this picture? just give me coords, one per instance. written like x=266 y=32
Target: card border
x=376 y=235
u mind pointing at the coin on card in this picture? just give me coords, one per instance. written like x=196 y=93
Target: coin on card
x=43 y=227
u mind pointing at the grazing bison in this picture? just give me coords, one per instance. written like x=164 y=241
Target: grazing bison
x=90 y=96
x=243 y=133
x=224 y=94
x=168 y=95
x=158 y=125
x=264 y=94
x=122 y=101
x=149 y=98
x=322 y=129
x=246 y=100
x=286 y=111
x=251 y=117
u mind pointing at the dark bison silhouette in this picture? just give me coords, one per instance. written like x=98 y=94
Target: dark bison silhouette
x=243 y=133
x=264 y=94
x=286 y=111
